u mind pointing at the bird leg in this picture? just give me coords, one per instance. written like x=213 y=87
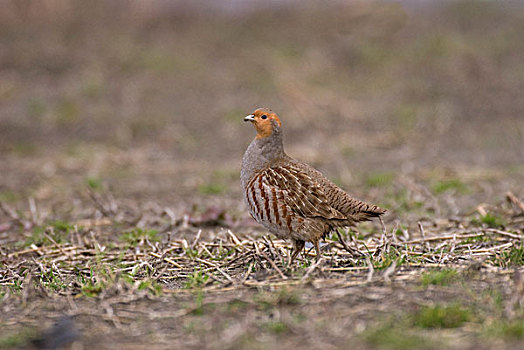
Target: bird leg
x=297 y=248
x=317 y=249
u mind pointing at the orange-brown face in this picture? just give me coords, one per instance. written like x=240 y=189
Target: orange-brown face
x=264 y=120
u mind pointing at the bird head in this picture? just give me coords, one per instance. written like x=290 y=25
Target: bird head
x=266 y=122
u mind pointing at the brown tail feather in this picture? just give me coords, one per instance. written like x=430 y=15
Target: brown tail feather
x=367 y=215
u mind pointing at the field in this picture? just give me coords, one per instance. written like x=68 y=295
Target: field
x=122 y=223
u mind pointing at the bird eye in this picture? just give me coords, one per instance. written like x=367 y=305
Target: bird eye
x=264 y=116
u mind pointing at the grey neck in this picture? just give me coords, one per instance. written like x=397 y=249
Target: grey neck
x=261 y=153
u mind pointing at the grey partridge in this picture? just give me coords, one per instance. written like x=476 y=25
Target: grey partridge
x=290 y=198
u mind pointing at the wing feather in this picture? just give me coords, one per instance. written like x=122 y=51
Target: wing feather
x=301 y=193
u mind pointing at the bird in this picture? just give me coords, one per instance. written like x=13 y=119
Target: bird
x=289 y=198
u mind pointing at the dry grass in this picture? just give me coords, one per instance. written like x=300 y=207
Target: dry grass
x=464 y=276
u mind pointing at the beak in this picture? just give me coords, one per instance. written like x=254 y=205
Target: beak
x=249 y=118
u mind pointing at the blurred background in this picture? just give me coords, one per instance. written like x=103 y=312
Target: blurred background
x=146 y=98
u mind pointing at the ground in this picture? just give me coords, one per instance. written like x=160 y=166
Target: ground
x=121 y=215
